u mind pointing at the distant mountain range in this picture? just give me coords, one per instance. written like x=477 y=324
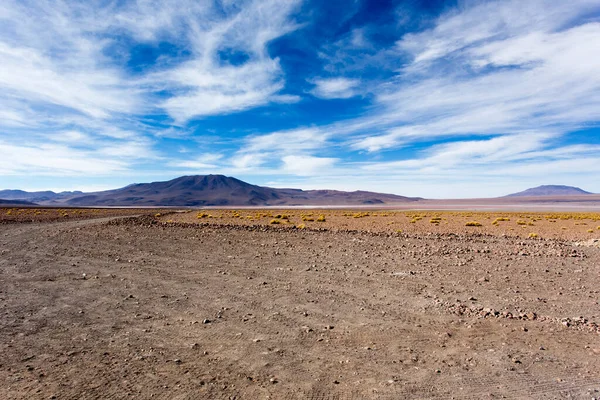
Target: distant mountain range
x=35 y=196
x=550 y=190
x=219 y=190
x=204 y=190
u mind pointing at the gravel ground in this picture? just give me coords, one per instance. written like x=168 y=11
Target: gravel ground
x=136 y=308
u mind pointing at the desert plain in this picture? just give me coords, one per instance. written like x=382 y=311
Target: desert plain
x=299 y=304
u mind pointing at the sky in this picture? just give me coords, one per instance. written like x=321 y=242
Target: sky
x=438 y=99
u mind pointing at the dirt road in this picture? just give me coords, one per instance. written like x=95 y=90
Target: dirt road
x=90 y=310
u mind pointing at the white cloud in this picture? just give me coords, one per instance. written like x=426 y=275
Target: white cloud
x=209 y=84
x=248 y=161
x=334 y=88
x=286 y=141
x=70 y=137
x=45 y=60
x=65 y=78
x=202 y=161
x=58 y=160
x=498 y=67
x=475 y=23
x=529 y=159
x=307 y=165
x=264 y=153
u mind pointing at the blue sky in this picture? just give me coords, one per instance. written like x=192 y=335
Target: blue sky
x=441 y=99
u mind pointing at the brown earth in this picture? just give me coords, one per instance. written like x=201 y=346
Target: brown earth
x=137 y=308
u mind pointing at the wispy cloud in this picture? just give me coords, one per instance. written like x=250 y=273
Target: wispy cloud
x=286 y=141
x=55 y=160
x=307 y=165
x=493 y=68
x=201 y=162
x=334 y=88
x=65 y=69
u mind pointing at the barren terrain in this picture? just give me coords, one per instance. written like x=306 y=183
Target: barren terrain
x=187 y=306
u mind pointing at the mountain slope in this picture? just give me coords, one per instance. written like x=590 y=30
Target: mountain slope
x=550 y=190
x=219 y=190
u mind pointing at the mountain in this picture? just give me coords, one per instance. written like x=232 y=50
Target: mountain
x=35 y=196
x=5 y=203
x=210 y=190
x=550 y=190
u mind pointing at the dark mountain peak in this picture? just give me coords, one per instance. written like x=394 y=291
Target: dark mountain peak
x=551 y=190
x=204 y=182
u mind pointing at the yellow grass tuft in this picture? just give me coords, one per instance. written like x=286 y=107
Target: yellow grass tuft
x=473 y=223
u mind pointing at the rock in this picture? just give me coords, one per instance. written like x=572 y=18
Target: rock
x=530 y=316
x=206 y=321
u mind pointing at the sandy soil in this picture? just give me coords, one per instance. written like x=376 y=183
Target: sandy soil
x=136 y=308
